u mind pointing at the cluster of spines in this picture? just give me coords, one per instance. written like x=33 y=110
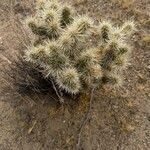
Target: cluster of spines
x=51 y=17
x=116 y=51
x=69 y=80
x=62 y=56
x=75 y=35
x=88 y=65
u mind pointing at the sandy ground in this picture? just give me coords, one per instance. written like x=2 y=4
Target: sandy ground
x=120 y=118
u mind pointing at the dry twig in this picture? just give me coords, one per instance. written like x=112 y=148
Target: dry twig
x=85 y=119
x=61 y=100
x=30 y=129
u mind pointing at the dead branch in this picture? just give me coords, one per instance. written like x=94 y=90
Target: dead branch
x=61 y=100
x=85 y=119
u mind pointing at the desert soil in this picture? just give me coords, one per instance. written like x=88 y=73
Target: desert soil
x=120 y=118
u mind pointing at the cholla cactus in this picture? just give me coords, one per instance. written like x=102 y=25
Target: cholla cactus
x=69 y=80
x=64 y=53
